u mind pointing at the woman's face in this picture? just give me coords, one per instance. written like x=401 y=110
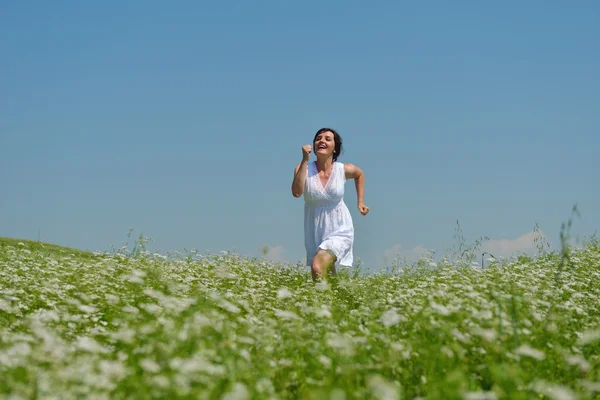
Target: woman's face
x=324 y=144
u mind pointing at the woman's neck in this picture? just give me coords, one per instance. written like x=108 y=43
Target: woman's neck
x=324 y=164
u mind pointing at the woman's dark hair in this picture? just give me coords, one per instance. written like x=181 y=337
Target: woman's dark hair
x=337 y=139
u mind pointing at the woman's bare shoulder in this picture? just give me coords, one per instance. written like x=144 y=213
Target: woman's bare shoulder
x=352 y=170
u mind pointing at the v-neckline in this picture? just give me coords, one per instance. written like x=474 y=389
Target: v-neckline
x=324 y=187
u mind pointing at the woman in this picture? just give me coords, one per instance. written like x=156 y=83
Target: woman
x=328 y=228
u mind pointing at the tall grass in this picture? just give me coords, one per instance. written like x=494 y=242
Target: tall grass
x=133 y=324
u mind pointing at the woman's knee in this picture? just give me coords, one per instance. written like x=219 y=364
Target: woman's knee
x=323 y=260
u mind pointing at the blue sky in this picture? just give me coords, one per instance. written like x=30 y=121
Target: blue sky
x=185 y=120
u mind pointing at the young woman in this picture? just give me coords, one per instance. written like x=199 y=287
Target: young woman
x=328 y=227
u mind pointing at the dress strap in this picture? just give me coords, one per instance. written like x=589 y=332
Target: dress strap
x=341 y=173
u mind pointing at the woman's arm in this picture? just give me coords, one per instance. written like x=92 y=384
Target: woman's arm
x=354 y=172
x=299 y=178
x=301 y=171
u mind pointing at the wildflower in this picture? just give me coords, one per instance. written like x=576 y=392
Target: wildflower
x=439 y=308
x=582 y=363
x=230 y=307
x=391 y=318
x=526 y=350
x=552 y=391
x=288 y=315
x=480 y=396
x=90 y=345
x=589 y=336
x=383 y=389
x=136 y=276
x=484 y=314
x=487 y=334
x=151 y=308
x=238 y=391
x=323 y=312
x=87 y=309
x=284 y=293
x=131 y=309
x=149 y=365
x=590 y=386
x=326 y=361
x=459 y=335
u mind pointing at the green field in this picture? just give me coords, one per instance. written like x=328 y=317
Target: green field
x=130 y=324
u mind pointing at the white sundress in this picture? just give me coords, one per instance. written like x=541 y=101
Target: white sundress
x=327 y=220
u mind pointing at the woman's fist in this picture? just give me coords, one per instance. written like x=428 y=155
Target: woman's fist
x=364 y=210
x=306 y=149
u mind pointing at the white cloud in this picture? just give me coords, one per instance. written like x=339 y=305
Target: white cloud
x=419 y=251
x=391 y=255
x=524 y=244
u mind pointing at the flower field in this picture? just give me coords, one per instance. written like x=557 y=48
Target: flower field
x=75 y=324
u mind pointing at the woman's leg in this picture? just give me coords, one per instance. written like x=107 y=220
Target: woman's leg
x=323 y=263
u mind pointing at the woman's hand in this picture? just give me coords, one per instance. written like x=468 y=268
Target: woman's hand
x=364 y=210
x=306 y=149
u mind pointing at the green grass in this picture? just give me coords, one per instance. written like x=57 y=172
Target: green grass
x=77 y=324
x=42 y=247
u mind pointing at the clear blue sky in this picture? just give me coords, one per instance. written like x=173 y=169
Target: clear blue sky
x=184 y=120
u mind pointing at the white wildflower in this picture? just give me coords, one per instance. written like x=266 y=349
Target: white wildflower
x=391 y=318
x=6 y=307
x=480 y=396
x=439 y=308
x=382 y=389
x=288 y=315
x=230 y=307
x=323 y=312
x=264 y=385
x=245 y=354
x=590 y=386
x=90 y=345
x=149 y=365
x=582 y=363
x=125 y=335
x=447 y=351
x=341 y=343
x=224 y=274
x=483 y=314
x=285 y=362
x=155 y=294
x=161 y=381
x=487 y=334
x=589 y=336
x=553 y=391
x=239 y=391
x=136 y=276
x=15 y=355
x=246 y=340
x=113 y=369
x=131 y=309
x=87 y=309
x=326 y=361
x=154 y=309
x=459 y=335
x=49 y=316
x=526 y=350
x=112 y=299
x=196 y=364
x=284 y=293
